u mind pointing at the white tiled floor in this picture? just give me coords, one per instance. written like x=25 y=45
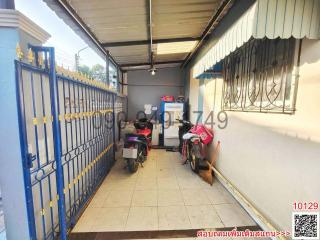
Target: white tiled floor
x=163 y=195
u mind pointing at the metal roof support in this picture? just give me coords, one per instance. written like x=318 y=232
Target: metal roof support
x=112 y=59
x=146 y=42
x=119 y=78
x=149 y=6
x=107 y=68
x=122 y=86
x=224 y=7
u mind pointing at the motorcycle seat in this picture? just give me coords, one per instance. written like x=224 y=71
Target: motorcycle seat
x=130 y=137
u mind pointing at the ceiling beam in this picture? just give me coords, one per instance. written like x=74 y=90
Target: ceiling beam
x=149 y=26
x=146 y=42
x=148 y=63
x=216 y=17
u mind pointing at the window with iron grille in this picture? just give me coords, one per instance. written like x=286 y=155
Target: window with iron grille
x=260 y=77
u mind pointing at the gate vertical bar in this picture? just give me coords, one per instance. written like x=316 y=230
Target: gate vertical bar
x=114 y=97
x=57 y=144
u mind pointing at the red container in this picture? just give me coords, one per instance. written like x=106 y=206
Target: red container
x=205 y=134
x=167 y=98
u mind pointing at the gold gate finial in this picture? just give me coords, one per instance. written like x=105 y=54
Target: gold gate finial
x=30 y=56
x=19 y=52
x=40 y=59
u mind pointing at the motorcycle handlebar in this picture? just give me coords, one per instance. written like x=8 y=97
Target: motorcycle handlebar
x=142 y=120
x=183 y=121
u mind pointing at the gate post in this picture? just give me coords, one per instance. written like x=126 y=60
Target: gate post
x=54 y=98
x=11 y=169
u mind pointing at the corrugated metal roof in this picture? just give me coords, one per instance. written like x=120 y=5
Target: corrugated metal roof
x=127 y=20
x=130 y=54
x=114 y=20
x=181 y=18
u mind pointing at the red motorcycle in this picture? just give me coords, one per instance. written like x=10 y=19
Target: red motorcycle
x=137 y=145
x=144 y=127
x=193 y=143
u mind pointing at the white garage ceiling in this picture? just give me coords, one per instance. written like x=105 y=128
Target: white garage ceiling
x=122 y=27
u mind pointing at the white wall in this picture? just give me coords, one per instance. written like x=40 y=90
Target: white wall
x=274 y=159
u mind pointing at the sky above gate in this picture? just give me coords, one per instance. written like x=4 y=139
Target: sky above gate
x=65 y=41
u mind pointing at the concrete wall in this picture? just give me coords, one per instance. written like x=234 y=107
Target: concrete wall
x=273 y=159
x=144 y=88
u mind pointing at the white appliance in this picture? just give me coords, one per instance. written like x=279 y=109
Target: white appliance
x=172 y=111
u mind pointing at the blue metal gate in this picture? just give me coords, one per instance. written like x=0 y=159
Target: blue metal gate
x=67 y=135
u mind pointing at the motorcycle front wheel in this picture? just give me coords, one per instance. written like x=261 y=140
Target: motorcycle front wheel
x=195 y=157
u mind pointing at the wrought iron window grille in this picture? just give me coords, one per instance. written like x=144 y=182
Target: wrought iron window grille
x=259 y=77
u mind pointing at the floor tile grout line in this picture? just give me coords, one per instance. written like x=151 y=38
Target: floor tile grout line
x=186 y=209
x=130 y=206
x=218 y=215
x=158 y=218
x=188 y=215
x=180 y=189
